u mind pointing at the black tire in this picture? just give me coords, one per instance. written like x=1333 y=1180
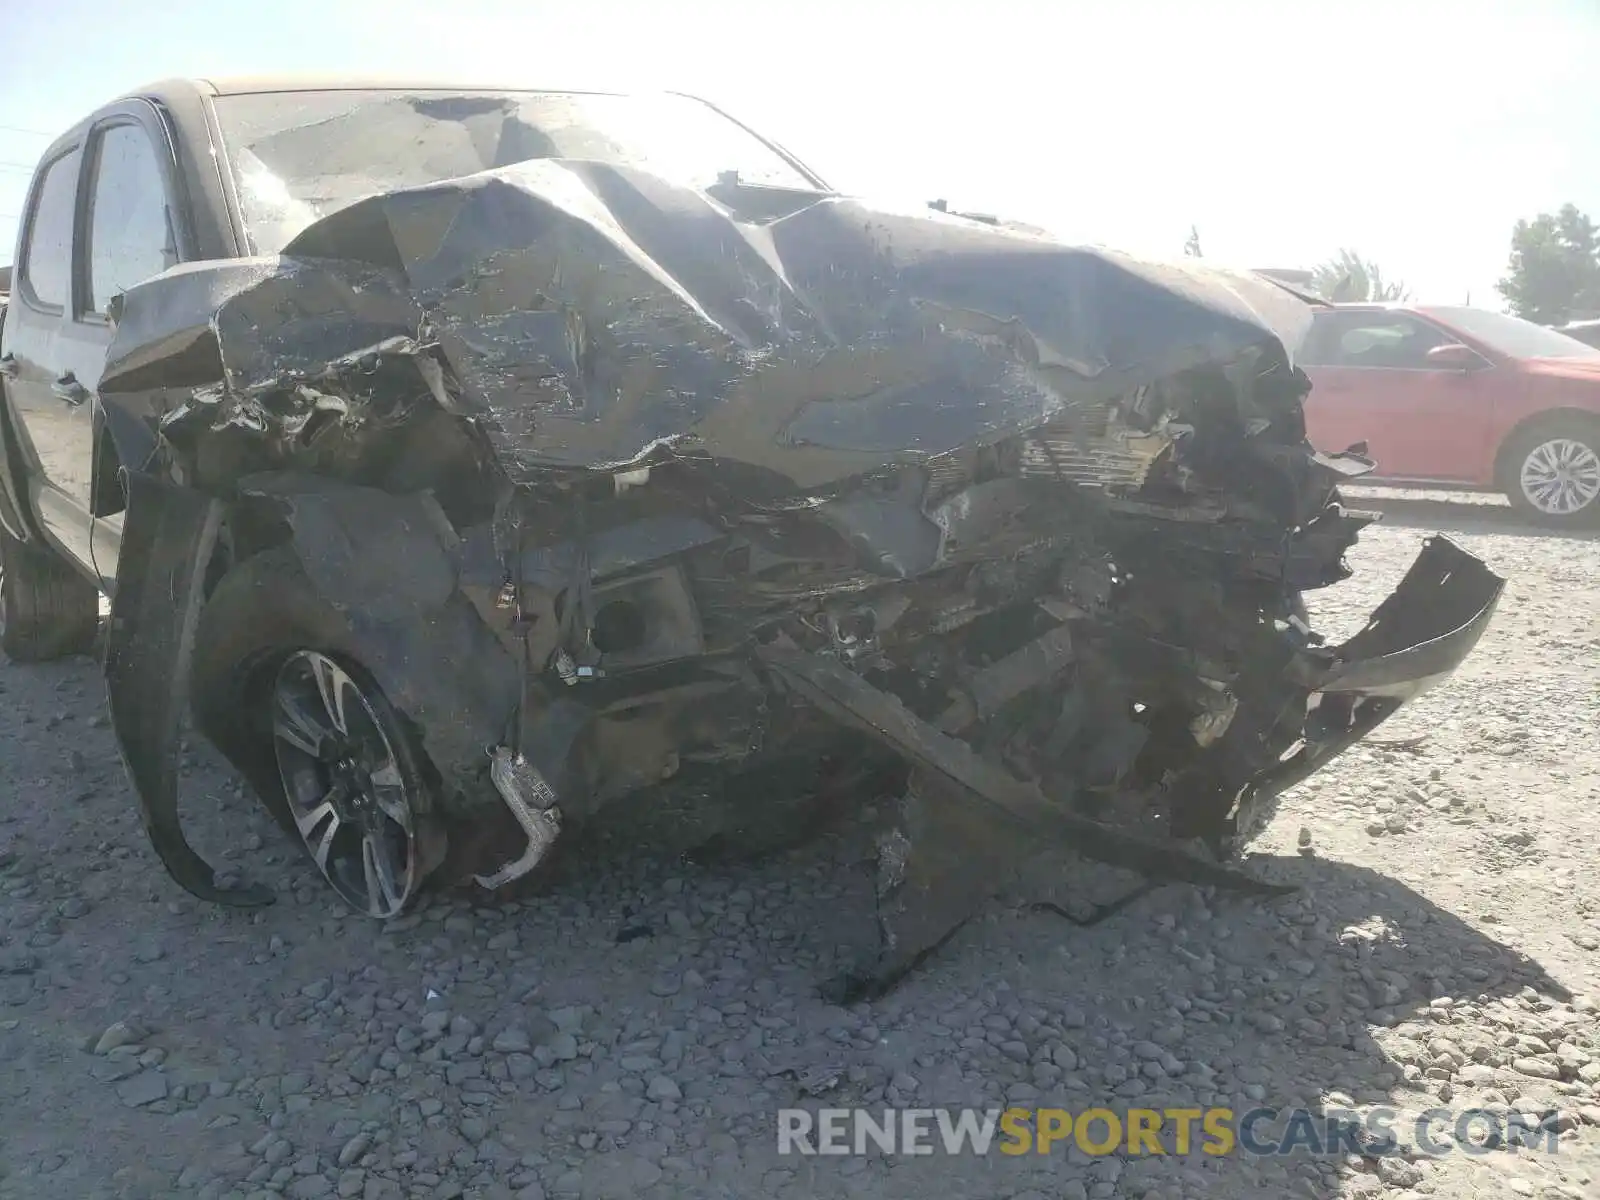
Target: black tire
x=47 y=610
x=1565 y=429
x=263 y=612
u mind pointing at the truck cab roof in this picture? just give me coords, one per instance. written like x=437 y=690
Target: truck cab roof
x=243 y=85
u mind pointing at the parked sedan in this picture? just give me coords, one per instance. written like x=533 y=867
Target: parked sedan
x=1448 y=396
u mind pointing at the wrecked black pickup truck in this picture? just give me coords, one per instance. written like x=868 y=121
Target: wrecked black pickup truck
x=465 y=461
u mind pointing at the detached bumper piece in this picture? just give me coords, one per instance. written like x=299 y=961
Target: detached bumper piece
x=1413 y=641
x=965 y=821
x=1423 y=631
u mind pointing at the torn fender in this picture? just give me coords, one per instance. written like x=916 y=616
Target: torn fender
x=391 y=565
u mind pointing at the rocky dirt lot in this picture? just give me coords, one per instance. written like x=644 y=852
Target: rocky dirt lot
x=634 y=1031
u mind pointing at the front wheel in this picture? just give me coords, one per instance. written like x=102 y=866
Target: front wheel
x=278 y=690
x=354 y=796
x=1551 y=472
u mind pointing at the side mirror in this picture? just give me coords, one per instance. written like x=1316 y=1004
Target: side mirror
x=1453 y=356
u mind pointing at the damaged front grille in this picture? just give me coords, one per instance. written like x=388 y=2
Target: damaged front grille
x=1095 y=451
x=1110 y=446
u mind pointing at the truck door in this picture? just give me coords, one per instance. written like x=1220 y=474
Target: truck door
x=1372 y=381
x=130 y=231
x=55 y=429
x=101 y=218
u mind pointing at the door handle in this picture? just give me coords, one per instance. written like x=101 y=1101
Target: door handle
x=69 y=389
x=9 y=365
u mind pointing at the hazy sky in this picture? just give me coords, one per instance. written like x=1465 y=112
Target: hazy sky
x=1415 y=132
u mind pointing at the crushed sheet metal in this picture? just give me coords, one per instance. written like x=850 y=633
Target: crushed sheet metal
x=1023 y=669
x=948 y=855
x=833 y=687
x=591 y=314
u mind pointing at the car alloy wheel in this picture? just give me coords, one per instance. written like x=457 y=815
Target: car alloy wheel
x=348 y=795
x=1561 y=476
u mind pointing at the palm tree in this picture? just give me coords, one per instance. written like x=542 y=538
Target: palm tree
x=1349 y=277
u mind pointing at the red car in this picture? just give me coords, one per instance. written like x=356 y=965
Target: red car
x=1462 y=398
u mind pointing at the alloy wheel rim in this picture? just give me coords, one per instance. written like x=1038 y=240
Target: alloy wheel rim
x=1561 y=477
x=348 y=795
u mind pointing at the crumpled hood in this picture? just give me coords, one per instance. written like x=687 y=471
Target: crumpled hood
x=591 y=312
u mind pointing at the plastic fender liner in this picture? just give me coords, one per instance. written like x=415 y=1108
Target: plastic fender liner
x=167 y=539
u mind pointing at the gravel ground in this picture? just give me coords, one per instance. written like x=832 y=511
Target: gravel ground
x=1442 y=950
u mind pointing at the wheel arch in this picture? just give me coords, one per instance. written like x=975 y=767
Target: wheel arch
x=379 y=564
x=1544 y=416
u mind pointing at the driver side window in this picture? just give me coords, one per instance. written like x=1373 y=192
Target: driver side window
x=131 y=235
x=1373 y=340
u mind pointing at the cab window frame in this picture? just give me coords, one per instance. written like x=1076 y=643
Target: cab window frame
x=1329 y=346
x=24 y=286
x=149 y=121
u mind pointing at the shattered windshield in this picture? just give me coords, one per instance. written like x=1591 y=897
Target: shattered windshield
x=298 y=156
